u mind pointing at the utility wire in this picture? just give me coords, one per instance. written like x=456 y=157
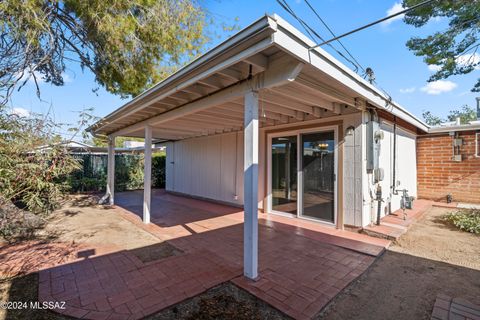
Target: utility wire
x=421 y=4
x=333 y=34
x=311 y=31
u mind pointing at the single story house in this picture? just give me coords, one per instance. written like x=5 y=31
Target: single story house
x=266 y=121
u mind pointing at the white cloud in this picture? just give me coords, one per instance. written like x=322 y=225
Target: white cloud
x=21 y=112
x=438 y=87
x=66 y=78
x=434 y=67
x=408 y=90
x=397 y=7
x=469 y=59
x=28 y=76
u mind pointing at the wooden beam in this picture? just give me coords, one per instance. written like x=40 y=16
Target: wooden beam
x=275 y=75
x=277 y=97
x=324 y=90
x=258 y=60
x=231 y=74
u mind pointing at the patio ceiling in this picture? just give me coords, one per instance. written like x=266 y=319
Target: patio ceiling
x=206 y=96
x=306 y=98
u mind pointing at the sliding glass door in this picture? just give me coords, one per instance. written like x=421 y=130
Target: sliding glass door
x=318 y=176
x=302 y=175
x=284 y=174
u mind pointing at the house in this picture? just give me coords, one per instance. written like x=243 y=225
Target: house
x=267 y=122
x=449 y=162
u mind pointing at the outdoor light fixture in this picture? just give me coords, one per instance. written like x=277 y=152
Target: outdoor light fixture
x=350 y=131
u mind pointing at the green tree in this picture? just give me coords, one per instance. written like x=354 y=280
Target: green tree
x=431 y=119
x=128 y=44
x=453 y=50
x=465 y=113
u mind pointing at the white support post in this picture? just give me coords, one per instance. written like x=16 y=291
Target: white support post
x=147 y=187
x=250 y=182
x=111 y=170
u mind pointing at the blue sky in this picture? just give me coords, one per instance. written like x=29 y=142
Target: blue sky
x=381 y=47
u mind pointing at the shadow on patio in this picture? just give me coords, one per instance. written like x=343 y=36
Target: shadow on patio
x=303 y=265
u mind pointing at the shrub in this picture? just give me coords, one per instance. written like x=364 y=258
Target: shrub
x=92 y=176
x=466 y=220
x=158 y=170
x=33 y=166
x=17 y=224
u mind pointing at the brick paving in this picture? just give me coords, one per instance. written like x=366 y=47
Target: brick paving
x=301 y=267
x=393 y=226
x=448 y=308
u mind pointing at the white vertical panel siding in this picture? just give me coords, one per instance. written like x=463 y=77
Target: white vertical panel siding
x=205 y=167
x=352 y=172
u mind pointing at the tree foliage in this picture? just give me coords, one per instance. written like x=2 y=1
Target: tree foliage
x=128 y=45
x=454 y=50
x=465 y=113
x=33 y=164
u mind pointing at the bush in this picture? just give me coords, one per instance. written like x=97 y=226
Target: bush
x=17 y=224
x=466 y=220
x=158 y=170
x=33 y=166
x=92 y=176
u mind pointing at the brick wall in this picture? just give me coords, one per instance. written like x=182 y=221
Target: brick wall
x=438 y=175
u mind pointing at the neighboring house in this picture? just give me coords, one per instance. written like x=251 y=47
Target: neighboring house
x=265 y=121
x=449 y=162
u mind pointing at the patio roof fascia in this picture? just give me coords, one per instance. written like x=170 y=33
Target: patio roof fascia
x=181 y=77
x=293 y=41
x=283 y=36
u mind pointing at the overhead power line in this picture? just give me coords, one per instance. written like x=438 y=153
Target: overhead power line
x=421 y=4
x=333 y=34
x=311 y=32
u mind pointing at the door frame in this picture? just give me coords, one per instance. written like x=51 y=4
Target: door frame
x=298 y=133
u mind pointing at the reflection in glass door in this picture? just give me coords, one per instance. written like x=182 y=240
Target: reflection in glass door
x=284 y=174
x=318 y=175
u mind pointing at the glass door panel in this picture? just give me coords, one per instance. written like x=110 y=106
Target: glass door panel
x=318 y=175
x=284 y=174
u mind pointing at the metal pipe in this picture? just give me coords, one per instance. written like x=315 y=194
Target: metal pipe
x=379 y=199
x=394 y=173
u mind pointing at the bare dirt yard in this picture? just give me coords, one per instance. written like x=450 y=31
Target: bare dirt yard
x=79 y=229
x=432 y=257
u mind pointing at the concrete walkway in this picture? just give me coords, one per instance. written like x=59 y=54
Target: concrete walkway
x=301 y=267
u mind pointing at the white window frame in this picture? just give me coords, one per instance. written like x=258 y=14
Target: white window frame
x=298 y=133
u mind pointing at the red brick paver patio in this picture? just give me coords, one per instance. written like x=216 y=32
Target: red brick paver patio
x=448 y=308
x=303 y=265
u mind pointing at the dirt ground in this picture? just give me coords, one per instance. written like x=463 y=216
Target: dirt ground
x=79 y=229
x=81 y=220
x=431 y=258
